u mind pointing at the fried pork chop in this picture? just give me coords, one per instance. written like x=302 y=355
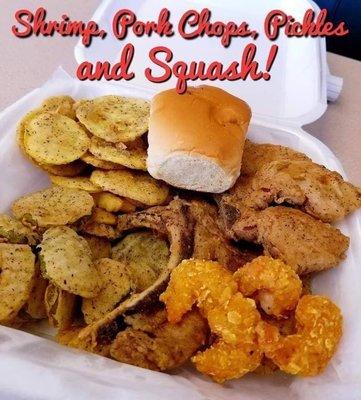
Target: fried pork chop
x=255 y=156
x=152 y=342
x=273 y=175
x=309 y=186
x=211 y=243
x=276 y=174
x=306 y=244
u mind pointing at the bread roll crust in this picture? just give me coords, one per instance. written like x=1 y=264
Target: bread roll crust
x=203 y=128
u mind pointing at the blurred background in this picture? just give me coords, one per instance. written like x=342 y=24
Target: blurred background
x=348 y=11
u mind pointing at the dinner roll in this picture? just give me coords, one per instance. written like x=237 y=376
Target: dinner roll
x=196 y=139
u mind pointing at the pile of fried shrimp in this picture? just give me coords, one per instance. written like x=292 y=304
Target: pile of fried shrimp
x=245 y=312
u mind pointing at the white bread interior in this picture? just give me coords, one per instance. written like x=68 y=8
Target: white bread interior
x=196 y=139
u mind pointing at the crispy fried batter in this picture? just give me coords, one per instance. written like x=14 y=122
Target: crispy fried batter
x=231 y=317
x=235 y=352
x=311 y=187
x=210 y=242
x=170 y=221
x=319 y=246
x=275 y=174
x=152 y=342
x=206 y=283
x=304 y=243
x=272 y=283
x=306 y=353
x=255 y=156
x=70 y=337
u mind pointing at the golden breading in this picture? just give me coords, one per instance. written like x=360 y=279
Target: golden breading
x=90 y=227
x=70 y=337
x=205 y=283
x=13 y=231
x=308 y=351
x=235 y=351
x=100 y=216
x=306 y=244
x=119 y=154
x=66 y=260
x=35 y=306
x=319 y=246
x=71 y=169
x=51 y=138
x=59 y=104
x=232 y=317
x=272 y=283
x=114 y=118
x=98 y=163
x=113 y=203
x=255 y=156
x=311 y=187
x=145 y=255
x=137 y=186
x=53 y=206
x=100 y=247
x=74 y=168
x=60 y=306
x=116 y=285
x=77 y=182
x=152 y=342
x=17 y=266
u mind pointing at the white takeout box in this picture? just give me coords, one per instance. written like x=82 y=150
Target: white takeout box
x=34 y=367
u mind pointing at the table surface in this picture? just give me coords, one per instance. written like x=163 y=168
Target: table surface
x=26 y=64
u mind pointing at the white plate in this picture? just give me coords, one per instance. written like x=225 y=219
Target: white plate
x=33 y=367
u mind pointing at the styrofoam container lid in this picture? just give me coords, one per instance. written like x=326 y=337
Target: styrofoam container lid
x=296 y=93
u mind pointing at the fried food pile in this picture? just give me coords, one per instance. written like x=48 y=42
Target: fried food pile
x=125 y=266
x=243 y=338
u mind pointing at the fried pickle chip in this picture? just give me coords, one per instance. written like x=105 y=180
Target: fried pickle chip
x=100 y=247
x=35 y=306
x=98 y=163
x=14 y=231
x=135 y=185
x=116 y=287
x=17 y=271
x=54 y=206
x=77 y=182
x=20 y=130
x=114 y=118
x=60 y=105
x=51 y=138
x=145 y=255
x=72 y=169
x=66 y=260
x=59 y=306
x=131 y=158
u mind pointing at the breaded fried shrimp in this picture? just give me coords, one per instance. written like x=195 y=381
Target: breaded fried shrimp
x=232 y=317
x=236 y=351
x=272 y=283
x=306 y=353
x=205 y=283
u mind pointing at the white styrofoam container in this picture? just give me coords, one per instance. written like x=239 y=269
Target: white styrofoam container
x=32 y=367
x=35 y=368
